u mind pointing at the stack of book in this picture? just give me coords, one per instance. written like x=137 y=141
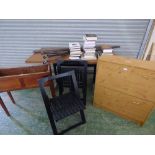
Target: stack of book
x=107 y=52
x=89 y=46
x=75 y=50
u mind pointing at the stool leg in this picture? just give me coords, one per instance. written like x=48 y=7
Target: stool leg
x=4 y=107
x=11 y=97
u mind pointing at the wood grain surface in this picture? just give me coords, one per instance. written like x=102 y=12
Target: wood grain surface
x=125 y=87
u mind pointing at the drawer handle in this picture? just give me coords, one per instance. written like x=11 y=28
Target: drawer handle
x=125 y=69
x=136 y=102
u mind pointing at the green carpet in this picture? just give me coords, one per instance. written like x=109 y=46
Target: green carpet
x=28 y=117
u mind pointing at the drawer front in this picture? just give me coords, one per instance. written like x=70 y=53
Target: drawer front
x=32 y=80
x=8 y=84
x=126 y=106
x=21 y=81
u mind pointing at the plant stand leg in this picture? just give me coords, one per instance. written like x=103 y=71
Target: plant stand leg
x=11 y=97
x=4 y=107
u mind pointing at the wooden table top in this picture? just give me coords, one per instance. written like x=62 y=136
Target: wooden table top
x=37 y=58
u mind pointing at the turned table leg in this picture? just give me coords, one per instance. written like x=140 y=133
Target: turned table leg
x=4 y=107
x=11 y=97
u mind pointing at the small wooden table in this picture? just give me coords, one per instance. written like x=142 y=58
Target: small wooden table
x=22 y=78
x=38 y=58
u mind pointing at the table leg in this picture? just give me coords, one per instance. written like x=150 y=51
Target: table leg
x=55 y=68
x=94 y=74
x=4 y=107
x=52 y=89
x=11 y=97
x=51 y=84
x=94 y=71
